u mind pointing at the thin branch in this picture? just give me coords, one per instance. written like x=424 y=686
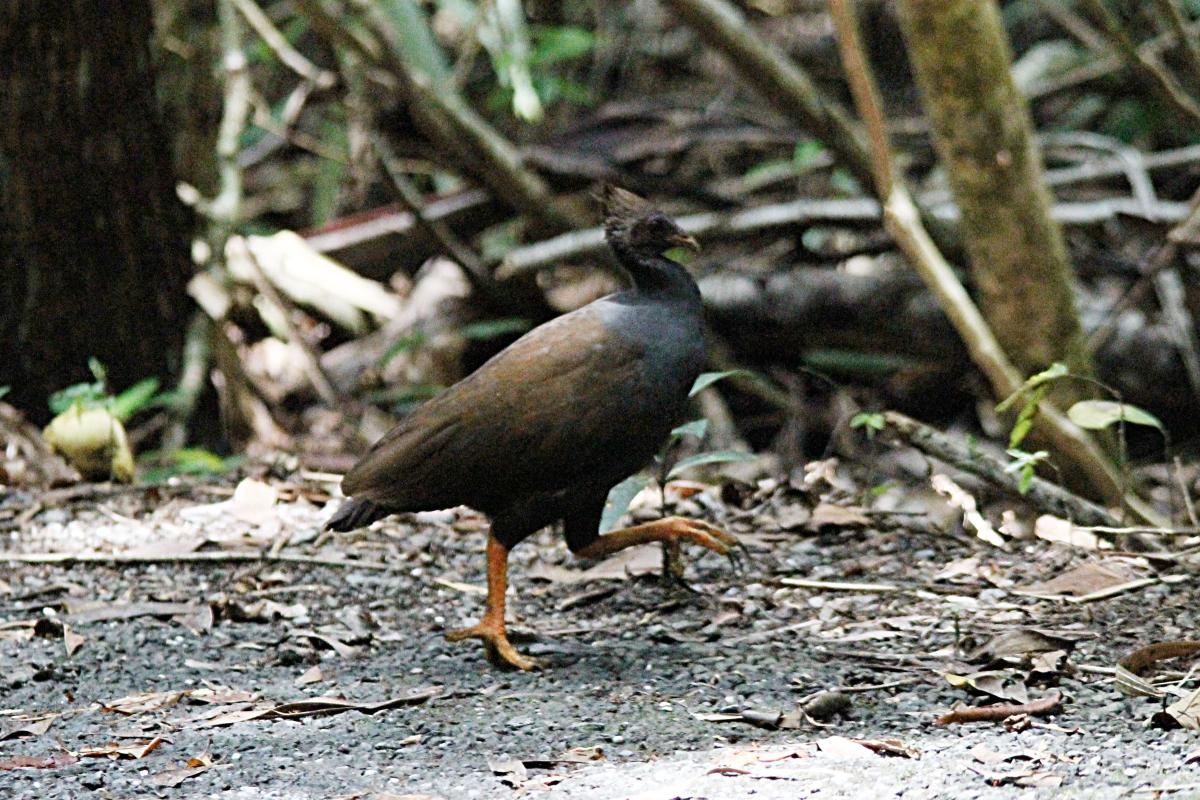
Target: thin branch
x=477 y=272
x=723 y=27
x=861 y=210
x=308 y=354
x=288 y=55
x=1177 y=25
x=1149 y=68
x=223 y=209
x=866 y=94
x=1046 y=497
x=204 y=557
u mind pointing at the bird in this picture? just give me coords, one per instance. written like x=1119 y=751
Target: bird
x=542 y=431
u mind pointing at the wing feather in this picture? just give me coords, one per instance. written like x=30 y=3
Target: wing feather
x=532 y=419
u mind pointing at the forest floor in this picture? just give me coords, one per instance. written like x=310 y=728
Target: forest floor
x=199 y=679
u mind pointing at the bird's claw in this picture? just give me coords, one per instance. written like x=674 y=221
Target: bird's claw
x=713 y=538
x=499 y=650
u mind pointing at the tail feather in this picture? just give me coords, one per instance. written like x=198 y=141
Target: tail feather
x=354 y=514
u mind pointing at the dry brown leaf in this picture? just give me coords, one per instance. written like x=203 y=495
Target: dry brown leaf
x=312 y=675
x=1000 y=684
x=35 y=726
x=1021 y=643
x=71 y=641
x=828 y=514
x=61 y=759
x=1062 y=531
x=316 y=706
x=1087 y=578
x=634 y=561
x=842 y=747
x=196 y=765
x=130 y=611
x=115 y=751
x=1186 y=711
x=143 y=702
x=964 y=501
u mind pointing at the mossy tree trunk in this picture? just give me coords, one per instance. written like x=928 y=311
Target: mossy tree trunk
x=93 y=242
x=983 y=134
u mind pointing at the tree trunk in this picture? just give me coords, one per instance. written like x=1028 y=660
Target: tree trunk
x=984 y=137
x=93 y=242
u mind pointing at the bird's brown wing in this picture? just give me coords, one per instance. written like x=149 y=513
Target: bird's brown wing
x=556 y=405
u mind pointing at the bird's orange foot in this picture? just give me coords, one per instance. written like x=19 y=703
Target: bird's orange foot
x=495 y=642
x=671 y=531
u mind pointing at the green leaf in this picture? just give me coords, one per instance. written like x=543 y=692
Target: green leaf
x=869 y=421
x=1096 y=415
x=806 y=155
x=86 y=395
x=619 y=498
x=1025 y=464
x=134 y=399
x=707 y=379
x=98 y=370
x=1029 y=411
x=5 y=390
x=714 y=457
x=403 y=344
x=554 y=44
x=491 y=328
x=1053 y=372
x=697 y=428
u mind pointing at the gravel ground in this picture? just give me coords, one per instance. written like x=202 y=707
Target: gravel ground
x=638 y=674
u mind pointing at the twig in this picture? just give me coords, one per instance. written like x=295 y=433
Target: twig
x=1106 y=65
x=193 y=377
x=223 y=209
x=449 y=122
x=1043 y=495
x=723 y=27
x=840 y=586
x=999 y=713
x=750 y=221
x=288 y=55
x=476 y=271
x=1147 y=67
x=1178 y=26
x=308 y=354
x=207 y=557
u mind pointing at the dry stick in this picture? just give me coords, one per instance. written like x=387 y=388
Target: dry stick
x=1149 y=68
x=476 y=271
x=723 y=27
x=999 y=713
x=1167 y=283
x=1045 y=496
x=1177 y=25
x=288 y=55
x=903 y=221
x=1106 y=65
x=197 y=355
x=861 y=210
x=185 y=558
x=308 y=354
x=447 y=121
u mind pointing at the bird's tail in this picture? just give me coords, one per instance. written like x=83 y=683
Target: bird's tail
x=355 y=514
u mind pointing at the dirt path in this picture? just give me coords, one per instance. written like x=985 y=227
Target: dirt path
x=639 y=676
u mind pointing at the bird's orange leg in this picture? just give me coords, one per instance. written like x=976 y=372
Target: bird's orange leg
x=490 y=627
x=670 y=530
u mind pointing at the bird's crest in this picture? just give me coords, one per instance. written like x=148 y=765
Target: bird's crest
x=619 y=204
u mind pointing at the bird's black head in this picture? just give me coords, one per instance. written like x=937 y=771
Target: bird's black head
x=632 y=224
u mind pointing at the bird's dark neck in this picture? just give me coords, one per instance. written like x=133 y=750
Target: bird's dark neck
x=657 y=275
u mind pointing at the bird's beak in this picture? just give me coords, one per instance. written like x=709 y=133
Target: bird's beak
x=683 y=240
